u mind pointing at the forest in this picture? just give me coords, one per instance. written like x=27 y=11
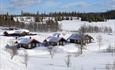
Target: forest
x=52 y=25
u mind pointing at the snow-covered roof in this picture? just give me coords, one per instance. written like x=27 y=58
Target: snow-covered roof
x=24 y=40
x=61 y=34
x=56 y=34
x=39 y=38
x=75 y=37
x=28 y=39
x=53 y=39
x=67 y=36
x=17 y=31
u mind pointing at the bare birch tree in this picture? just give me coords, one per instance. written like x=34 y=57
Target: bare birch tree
x=51 y=51
x=25 y=58
x=99 y=40
x=14 y=51
x=12 y=48
x=68 y=60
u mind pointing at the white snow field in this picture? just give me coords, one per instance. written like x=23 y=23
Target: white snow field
x=74 y=25
x=39 y=58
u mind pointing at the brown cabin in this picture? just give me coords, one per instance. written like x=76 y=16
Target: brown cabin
x=53 y=41
x=28 y=43
x=87 y=39
x=78 y=39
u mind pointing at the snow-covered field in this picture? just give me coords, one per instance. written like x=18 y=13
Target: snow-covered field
x=74 y=25
x=39 y=58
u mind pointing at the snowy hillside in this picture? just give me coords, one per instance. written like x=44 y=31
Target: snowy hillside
x=74 y=25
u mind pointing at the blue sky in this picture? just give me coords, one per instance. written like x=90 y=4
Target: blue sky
x=15 y=6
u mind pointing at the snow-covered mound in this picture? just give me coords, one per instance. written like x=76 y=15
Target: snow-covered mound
x=7 y=64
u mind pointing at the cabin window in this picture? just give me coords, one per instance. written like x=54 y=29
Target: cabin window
x=61 y=43
x=78 y=41
x=38 y=45
x=33 y=45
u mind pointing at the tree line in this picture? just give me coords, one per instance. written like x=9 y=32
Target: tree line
x=95 y=29
x=92 y=16
x=50 y=25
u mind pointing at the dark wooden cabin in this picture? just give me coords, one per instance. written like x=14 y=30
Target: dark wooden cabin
x=74 y=38
x=54 y=41
x=28 y=43
x=87 y=39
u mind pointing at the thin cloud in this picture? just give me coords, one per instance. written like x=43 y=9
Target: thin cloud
x=23 y=3
x=57 y=5
x=84 y=4
x=50 y=3
x=111 y=4
x=77 y=4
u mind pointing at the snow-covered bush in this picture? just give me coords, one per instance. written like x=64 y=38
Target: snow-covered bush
x=51 y=51
x=110 y=66
x=12 y=50
x=110 y=49
x=95 y=29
